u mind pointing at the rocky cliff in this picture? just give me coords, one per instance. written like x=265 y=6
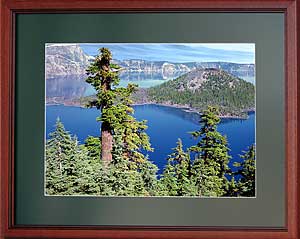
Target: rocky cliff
x=65 y=59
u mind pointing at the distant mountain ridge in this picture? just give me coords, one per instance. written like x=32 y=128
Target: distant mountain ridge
x=137 y=65
x=69 y=59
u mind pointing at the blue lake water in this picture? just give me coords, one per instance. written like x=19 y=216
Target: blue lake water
x=165 y=126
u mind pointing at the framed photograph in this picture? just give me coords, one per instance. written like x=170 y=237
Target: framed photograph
x=124 y=119
x=134 y=150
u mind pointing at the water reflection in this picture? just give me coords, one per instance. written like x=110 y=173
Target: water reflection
x=74 y=86
x=68 y=87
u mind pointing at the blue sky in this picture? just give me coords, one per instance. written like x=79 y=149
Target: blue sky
x=177 y=52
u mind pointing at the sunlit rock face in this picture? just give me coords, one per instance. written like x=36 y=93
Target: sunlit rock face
x=65 y=59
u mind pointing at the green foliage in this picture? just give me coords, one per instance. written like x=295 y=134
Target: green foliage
x=102 y=75
x=125 y=181
x=246 y=173
x=103 y=79
x=168 y=182
x=212 y=158
x=176 y=178
x=59 y=153
x=93 y=146
x=88 y=176
x=231 y=189
x=121 y=117
x=115 y=104
x=68 y=171
x=148 y=172
x=232 y=95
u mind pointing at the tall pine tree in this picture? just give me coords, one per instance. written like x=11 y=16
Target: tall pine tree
x=116 y=111
x=102 y=75
x=211 y=163
x=60 y=149
x=178 y=167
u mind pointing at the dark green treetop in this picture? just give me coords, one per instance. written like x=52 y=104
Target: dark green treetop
x=246 y=173
x=180 y=162
x=212 y=158
x=68 y=168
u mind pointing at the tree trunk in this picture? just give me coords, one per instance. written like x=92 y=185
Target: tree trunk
x=106 y=134
x=106 y=143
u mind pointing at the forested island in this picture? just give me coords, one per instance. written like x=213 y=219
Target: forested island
x=115 y=163
x=200 y=88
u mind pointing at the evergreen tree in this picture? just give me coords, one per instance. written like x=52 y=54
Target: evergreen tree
x=206 y=180
x=69 y=169
x=102 y=75
x=88 y=174
x=134 y=142
x=181 y=167
x=232 y=189
x=211 y=163
x=128 y=177
x=183 y=170
x=105 y=181
x=168 y=182
x=130 y=129
x=116 y=111
x=93 y=146
x=121 y=174
x=148 y=172
x=246 y=173
x=61 y=154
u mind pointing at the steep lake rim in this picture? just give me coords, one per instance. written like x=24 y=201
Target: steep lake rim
x=181 y=107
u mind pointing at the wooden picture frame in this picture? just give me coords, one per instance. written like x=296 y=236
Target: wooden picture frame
x=9 y=9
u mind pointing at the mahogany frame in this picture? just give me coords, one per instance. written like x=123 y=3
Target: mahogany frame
x=9 y=9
